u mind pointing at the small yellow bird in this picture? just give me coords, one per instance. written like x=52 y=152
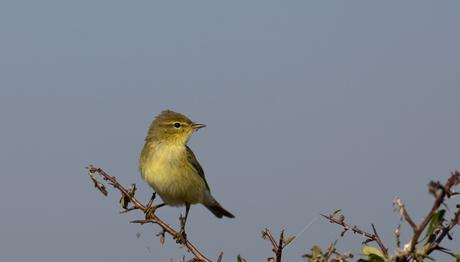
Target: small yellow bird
x=169 y=166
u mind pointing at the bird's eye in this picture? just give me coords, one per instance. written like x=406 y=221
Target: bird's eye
x=176 y=125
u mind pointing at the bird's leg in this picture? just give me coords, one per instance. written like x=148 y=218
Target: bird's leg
x=150 y=208
x=182 y=223
x=154 y=195
x=181 y=235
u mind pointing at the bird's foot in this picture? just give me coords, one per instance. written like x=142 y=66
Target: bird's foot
x=181 y=237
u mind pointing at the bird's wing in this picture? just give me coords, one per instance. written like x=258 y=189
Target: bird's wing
x=192 y=159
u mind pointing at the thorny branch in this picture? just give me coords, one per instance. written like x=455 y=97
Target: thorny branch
x=128 y=196
x=440 y=192
x=410 y=252
x=438 y=227
x=370 y=237
x=445 y=230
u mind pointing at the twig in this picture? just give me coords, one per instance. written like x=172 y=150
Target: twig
x=219 y=259
x=453 y=180
x=371 y=237
x=397 y=234
x=266 y=234
x=404 y=214
x=138 y=205
x=276 y=248
x=128 y=210
x=279 y=252
x=330 y=250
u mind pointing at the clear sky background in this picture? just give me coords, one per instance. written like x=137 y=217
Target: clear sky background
x=310 y=106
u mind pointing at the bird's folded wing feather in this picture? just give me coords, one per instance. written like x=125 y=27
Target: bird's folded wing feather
x=192 y=159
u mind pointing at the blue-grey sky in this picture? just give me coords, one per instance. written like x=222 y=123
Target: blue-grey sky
x=310 y=106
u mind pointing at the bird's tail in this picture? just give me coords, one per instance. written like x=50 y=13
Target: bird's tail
x=217 y=209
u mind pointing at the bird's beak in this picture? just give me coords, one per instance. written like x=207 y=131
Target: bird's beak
x=197 y=126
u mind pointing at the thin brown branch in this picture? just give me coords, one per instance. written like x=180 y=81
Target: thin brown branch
x=409 y=219
x=219 y=259
x=375 y=233
x=371 y=237
x=404 y=214
x=266 y=234
x=138 y=205
x=441 y=191
x=276 y=248
x=330 y=251
x=279 y=252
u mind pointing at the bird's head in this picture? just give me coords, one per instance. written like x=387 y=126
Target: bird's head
x=172 y=127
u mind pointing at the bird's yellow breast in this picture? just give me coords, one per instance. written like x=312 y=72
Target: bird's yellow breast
x=167 y=170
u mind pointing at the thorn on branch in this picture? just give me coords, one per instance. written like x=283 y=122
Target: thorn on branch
x=128 y=210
